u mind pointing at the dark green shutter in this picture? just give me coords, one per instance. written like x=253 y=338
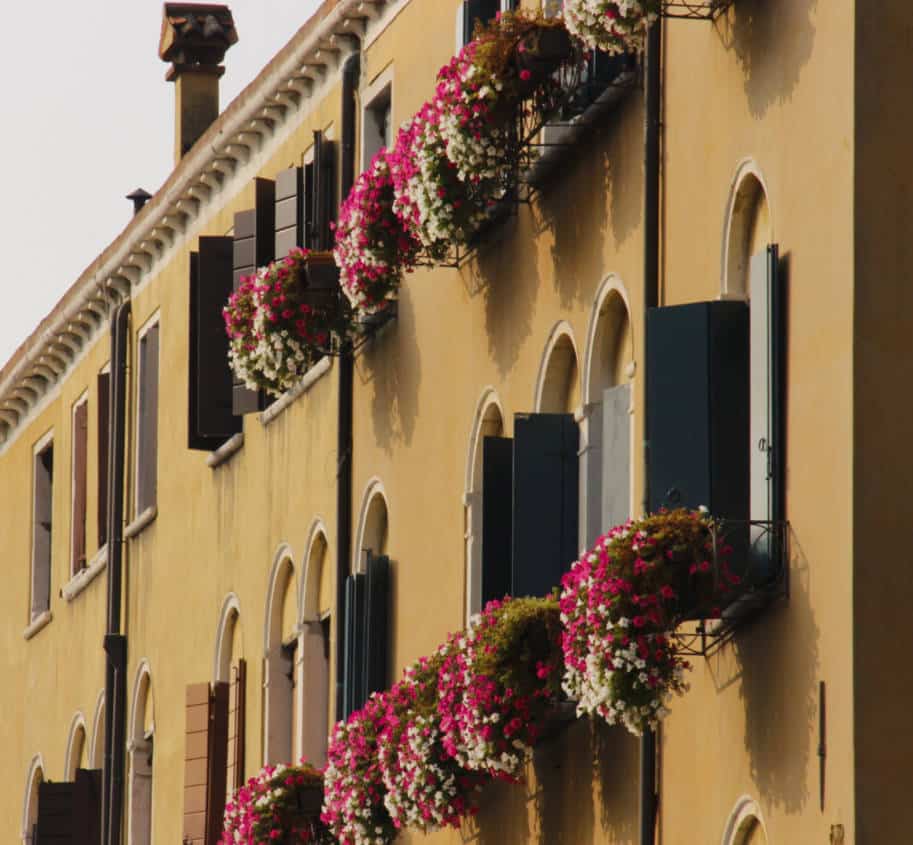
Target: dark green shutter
x=497 y=516
x=323 y=198
x=254 y=244
x=289 y=210
x=210 y=387
x=545 y=494
x=377 y=628
x=310 y=226
x=353 y=681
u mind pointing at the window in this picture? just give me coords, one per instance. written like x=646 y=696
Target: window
x=79 y=445
x=140 y=752
x=102 y=445
x=281 y=661
x=313 y=699
x=42 y=519
x=377 y=128
x=471 y=11
x=147 y=420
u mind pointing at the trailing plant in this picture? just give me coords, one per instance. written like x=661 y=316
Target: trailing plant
x=275 y=333
x=499 y=683
x=281 y=805
x=615 y=26
x=373 y=247
x=354 y=793
x=426 y=787
x=621 y=601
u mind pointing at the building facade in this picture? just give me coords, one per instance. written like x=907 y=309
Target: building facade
x=776 y=127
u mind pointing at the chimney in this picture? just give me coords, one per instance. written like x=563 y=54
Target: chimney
x=195 y=37
x=139 y=198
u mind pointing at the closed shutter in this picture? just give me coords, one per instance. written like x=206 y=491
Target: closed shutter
x=87 y=809
x=56 y=804
x=354 y=660
x=616 y=449
x=766 y=426
x=310 y=224
x=80 y=447
x=42 y=530
x=254 y=244
x=218 y=762
x=237 y=701
x=210 y=383
x=545 y=491
x=324 y=192
x=102 y=446
x=148 y=419
x=377 y=629
x=497 y=516
x=289 y=210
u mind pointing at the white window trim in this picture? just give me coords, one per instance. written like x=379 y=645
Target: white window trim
x=146 y=327
x=36 y=623
x=219 y=456
x=86 y=576
x=82 y=400
x=147 y=517
x=42 y=620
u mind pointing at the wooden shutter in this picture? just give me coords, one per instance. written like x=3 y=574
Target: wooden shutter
x=237 y=706
x=102 y=446
x=254 y=242
x=497 y=516
x=616 y=454
x=377 y=623
x=310 y=227
x=211 y=384
x=354 y=661
x=148 y=419
x=80 y=447
x=42 y=530
x=218 y=762
x=545 y=495
x=196 y=763
x=766 y=430
x=324 y=192
x=70 y=813
x=289 y=210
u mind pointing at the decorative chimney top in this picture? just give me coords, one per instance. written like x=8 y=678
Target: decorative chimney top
x=139 y=198
x=195 y=34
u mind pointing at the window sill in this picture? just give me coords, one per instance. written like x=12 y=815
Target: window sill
x=310 y=378
x=86 y=576
x=39 y=622
x=145 y=518
x=225 y=451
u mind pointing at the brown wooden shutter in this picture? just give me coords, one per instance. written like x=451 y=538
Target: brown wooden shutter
x=310 y=227
x=237 y=706
x=104 y=385
x=196 y=763
x=254 y=244
x=324 y=194
x=210 y=379
x=70 y=813
x=78 y=524
x=218 y=762
x=289 y=210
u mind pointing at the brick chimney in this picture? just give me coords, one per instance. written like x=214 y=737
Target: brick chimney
x=195 y=37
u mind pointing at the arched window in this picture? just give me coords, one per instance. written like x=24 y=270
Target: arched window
x=140 y=748
x=76 y=748
x=606 y=428
x=313 y=681
x=372 y=534
x=745 y=825
x=747 y=230
x=558 y=389
x=33 y=780
x=231 y=670
x=97 y=745
x=487 y=493
x=282 y=658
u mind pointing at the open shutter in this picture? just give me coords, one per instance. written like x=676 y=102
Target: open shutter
x=218 y=762
x=497 y=516
x=766 y=426
x=148 y=419
x=310 y=224
x=196 y=763
x=56 y=803
x=211 y=377
x=80 y=448
x=254 y=244
x=353 y=681
x=236 y=721
x=377 y=630
x=324 y=192
x=545 y=490
x=591 y=460
x=616 y=451
x=104 y=384
x=289 y=210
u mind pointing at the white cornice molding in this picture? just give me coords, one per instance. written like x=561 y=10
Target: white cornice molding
x=231 y=151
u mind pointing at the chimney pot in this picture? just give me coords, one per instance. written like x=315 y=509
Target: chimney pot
x=139 y=198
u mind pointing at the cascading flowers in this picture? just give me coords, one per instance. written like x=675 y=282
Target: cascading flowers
x=373 y=247
x=426 y=787
x=619 y=604
x=281 y=803
x=498 y=685
x=274 y=334
x=354 y=791
x=616 y=26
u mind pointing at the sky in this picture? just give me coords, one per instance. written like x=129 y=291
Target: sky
x=88 y=118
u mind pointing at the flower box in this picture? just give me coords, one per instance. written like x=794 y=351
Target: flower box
x=541 y=53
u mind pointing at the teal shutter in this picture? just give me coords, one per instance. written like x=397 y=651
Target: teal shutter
x=497 y=516
x=354 y=661
x=377 y=623
x=545 y=497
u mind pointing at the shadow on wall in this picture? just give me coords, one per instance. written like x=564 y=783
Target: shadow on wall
x=773 y=41
x=616 y=760
x=392 y=363
x=778 y=661
x=599 y=187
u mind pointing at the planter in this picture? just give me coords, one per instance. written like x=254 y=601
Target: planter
x=539 y=55
x=319 y=281
x=309 y=801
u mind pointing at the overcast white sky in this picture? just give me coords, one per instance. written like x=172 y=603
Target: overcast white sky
x=88 y=118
